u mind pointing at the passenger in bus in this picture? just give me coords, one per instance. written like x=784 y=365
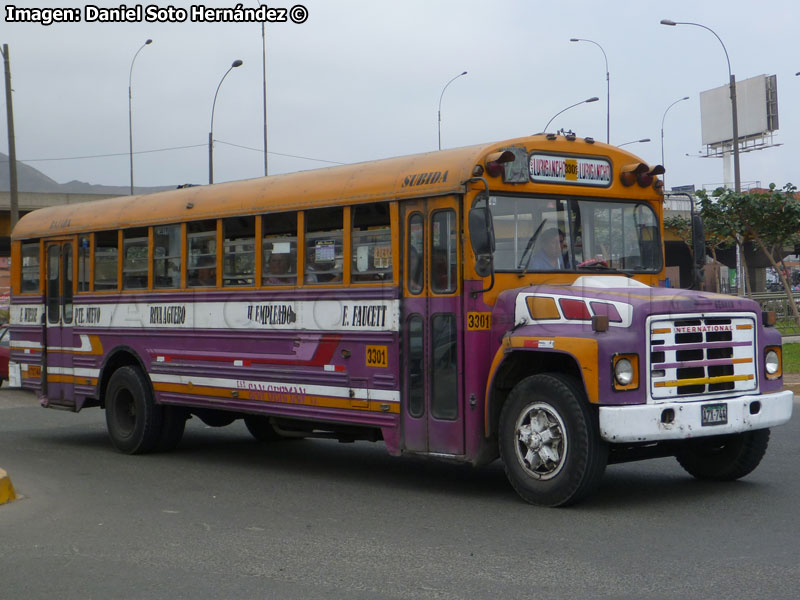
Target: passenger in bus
x=548 y=254
x=322 y=272
x=205 y=275
x=278 y=269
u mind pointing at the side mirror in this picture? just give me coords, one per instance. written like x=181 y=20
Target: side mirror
x=698 y=249
x=481 y=236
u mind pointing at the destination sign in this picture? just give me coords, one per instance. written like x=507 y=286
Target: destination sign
x=574 y=170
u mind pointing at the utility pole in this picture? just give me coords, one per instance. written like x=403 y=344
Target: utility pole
x=12 y=150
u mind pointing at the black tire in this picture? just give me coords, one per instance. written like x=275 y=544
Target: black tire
x=173 y=425
x=724 y=458
x=134 y=420
x=215 y=418
x=261 y=429
x=565 y=459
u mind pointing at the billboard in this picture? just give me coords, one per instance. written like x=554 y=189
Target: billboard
x=756 y=106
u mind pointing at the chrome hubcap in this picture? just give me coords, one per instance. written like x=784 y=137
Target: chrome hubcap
x=541 y=441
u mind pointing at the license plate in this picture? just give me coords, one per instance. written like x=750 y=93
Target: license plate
x=714 y=414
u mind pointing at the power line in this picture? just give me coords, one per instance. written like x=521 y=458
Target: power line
x=110 y=155
x=106 y=155
x=333 y=162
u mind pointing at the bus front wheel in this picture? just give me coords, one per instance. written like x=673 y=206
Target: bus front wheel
x=724 y=458
x=133 y=419
x=549 y=441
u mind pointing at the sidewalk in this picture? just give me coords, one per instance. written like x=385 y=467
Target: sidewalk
x=791 y=381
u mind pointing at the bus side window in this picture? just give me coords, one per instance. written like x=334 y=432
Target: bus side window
x=324 y=245
x=202 y=244
x=372 y=243
x=239 y=257
x=444 y=367
x=134 y=266
x=30 y=267
x=416 y=253
x=416 y=366
x=167 y=256
x=106 y=258
x=279 y=261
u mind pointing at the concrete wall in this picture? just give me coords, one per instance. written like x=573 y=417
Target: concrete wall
x=29 y=201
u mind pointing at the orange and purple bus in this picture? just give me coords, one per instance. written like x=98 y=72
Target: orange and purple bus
x=502 y=300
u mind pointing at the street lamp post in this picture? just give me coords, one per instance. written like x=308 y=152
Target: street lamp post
x=732 y=80
x=737 y=180
x=130 y=108
x=236 y=63
x=440 y=105
x=641 y=141
x=662 y=134
x=592 y=99
x=608 y=86
x=264 y=80
x=13 y=186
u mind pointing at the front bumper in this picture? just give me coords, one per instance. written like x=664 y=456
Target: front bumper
x=643 y=423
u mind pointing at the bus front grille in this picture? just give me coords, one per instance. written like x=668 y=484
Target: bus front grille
x=702 y=356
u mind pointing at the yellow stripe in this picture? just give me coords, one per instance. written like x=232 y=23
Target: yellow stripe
x=72 y=379
x=704 y=380
x=744 y=326
x=667 y=330
x=272 y=397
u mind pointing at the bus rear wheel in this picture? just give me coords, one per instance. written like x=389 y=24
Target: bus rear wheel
x=724 y=458
x=133 y=419
x=261 y=429
x=549 y=441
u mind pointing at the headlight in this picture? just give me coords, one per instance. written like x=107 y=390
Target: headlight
x=772 y=362
x=623 y=371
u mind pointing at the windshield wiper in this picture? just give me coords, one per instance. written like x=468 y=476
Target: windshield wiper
x=529 y=247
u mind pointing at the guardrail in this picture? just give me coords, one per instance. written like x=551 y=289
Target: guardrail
x=781 y=304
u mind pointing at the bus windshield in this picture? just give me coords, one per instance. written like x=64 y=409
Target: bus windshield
x=536 y=234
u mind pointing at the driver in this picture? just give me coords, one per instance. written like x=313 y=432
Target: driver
x=548 y=255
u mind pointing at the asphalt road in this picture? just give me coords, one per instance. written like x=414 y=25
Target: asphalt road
x=226 y=517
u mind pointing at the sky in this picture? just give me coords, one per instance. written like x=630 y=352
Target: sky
x=361 y=80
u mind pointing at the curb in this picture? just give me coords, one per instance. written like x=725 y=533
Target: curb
x=6 y=489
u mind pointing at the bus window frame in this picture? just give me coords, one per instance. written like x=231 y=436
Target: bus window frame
x=352 y=256
x=17 y=271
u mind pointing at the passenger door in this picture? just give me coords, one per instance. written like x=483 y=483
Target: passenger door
x=433 y=407
x=58 y=372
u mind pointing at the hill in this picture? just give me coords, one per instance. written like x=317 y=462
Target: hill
x=33 y=180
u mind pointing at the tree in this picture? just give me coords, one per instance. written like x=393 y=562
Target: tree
x=681 y=227
x=770 y=219
x=718 y=233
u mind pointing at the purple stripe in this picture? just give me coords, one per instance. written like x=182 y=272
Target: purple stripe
x=698 y=363
x=700 y=346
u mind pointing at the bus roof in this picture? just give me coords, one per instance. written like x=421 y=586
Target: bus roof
x=418 y=175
